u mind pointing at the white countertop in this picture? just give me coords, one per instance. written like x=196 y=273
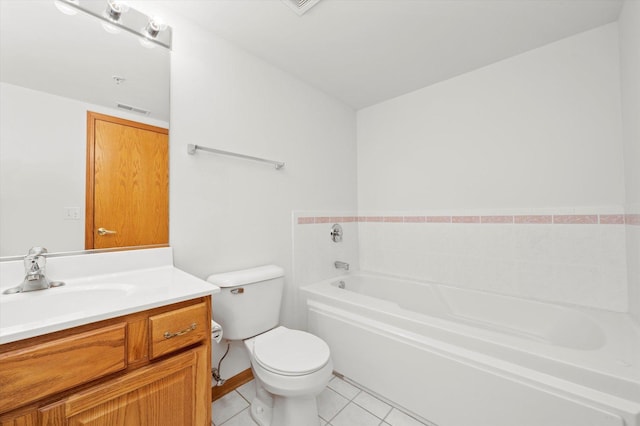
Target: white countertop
x=124 y=283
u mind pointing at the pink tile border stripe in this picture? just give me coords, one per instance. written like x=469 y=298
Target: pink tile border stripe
x=533 y=219
x=465 y=219
x=496 y=219
x=632 y=219
x=582 y=219
x=438 y=219
x=395 y=219
x=612 y=219
x=414 y=219
x=372 y=219
x=575 y=219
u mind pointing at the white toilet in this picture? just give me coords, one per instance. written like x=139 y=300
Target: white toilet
x=290 y=367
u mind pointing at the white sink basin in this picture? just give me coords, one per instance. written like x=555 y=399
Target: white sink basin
x=23 y=308
x=87 y=299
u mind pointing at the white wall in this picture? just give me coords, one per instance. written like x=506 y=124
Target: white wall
x=227 y=213
x=536 y=134
x=43 y=141
x=629 y=23
x=541 y=129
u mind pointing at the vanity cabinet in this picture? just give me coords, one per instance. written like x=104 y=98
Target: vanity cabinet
x=148 y=368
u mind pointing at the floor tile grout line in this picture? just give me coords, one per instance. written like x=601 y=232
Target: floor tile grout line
x=339 y=411
x=345 y=396
x=339 y=394
x=349 y=401
x=389 y=403
x=387 y=415
x=383 y=421
x=352 y=400
x=237 y=414
x=242 y=396
x=372 y=413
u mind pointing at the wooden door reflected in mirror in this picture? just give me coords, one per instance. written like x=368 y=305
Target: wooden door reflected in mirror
x=127 y=201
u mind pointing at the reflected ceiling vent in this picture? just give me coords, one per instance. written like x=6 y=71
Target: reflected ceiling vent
x=134 y=109
x=300 y=6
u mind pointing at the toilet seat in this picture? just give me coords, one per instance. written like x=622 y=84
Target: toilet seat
x=290 y=352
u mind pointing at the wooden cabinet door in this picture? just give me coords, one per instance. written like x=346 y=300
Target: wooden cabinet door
x=168 y=393
x=27 y=419
x=44 y=369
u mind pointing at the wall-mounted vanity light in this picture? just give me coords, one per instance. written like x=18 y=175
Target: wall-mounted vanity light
x=151 y=31
x=114 y=10
x=115 y=14
x=154 y=26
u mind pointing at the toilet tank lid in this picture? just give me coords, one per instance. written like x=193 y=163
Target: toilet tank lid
x=246 y=276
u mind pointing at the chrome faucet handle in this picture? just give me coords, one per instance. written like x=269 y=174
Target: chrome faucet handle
x=336 y=233
x=37 y=251
x=35 y=263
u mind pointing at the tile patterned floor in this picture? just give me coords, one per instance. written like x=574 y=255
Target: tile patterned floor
x=340 y=404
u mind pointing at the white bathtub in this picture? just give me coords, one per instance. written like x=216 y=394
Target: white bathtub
x=459 y=357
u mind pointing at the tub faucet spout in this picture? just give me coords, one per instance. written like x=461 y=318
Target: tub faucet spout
x=341 y=265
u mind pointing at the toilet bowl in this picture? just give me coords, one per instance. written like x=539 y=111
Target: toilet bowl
x=290 y=367
x=293 y=367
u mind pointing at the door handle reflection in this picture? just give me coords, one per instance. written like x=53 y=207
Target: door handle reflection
x=102 y=231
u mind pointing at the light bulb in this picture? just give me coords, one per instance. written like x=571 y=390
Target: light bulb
x=113 y=10
x=154 y=26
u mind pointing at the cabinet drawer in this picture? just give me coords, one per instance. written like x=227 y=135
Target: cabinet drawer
x=29 y=374
x=177 y=329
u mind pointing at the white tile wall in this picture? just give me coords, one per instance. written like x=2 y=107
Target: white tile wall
x=633 y=256
x=314 y=253
x=573 y=263
x=629 y=26
x=567 y=263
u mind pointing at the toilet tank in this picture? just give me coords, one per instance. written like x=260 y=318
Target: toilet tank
x=249 y=301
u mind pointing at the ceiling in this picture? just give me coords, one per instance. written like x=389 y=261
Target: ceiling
x=359 y=51
x=366 y=51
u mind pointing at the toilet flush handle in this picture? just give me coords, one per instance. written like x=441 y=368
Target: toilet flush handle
x=239 y=290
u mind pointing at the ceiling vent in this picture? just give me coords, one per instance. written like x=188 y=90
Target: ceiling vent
x=300 y=6
x=134 y=109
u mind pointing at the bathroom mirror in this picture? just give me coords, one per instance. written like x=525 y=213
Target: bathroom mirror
x=54 y=67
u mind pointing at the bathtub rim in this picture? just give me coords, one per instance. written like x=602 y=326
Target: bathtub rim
x=519 y=347
x=622 y=408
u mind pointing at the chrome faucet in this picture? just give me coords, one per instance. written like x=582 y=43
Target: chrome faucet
x=35 y=265
x=341 y=265
x=35 y=277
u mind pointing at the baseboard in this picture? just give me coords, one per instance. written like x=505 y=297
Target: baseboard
x=231 y=384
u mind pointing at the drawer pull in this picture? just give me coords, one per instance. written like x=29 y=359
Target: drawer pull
x=173 y=330
x=168 y=335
